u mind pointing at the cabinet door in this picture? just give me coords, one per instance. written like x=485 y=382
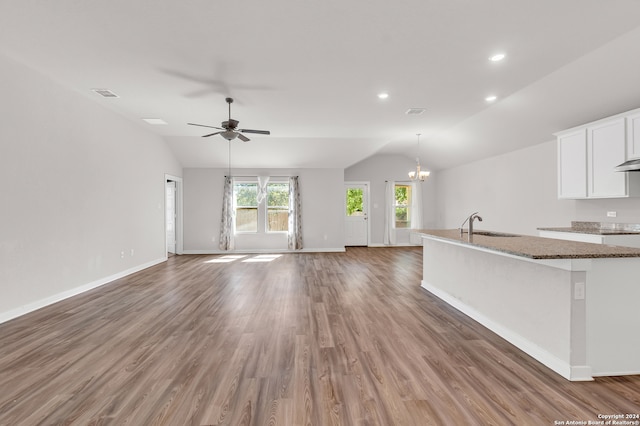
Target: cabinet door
x=572 y=165
x=606 y=149
x=633 y=136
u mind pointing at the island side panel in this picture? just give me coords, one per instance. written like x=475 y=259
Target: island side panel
x=613 y=316
x=527 y=303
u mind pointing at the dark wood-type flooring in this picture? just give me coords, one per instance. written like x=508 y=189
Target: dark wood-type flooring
x=323 y=339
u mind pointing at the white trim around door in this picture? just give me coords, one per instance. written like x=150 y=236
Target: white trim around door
x=357 y=224
x=178 y=212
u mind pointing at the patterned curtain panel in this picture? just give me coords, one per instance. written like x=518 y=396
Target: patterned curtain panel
x=226 y=222
x=295 y=222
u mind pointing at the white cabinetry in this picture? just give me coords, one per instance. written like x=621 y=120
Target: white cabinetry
x=588 y=155
x=572 y=165
x=633 y=136
x=606 y=149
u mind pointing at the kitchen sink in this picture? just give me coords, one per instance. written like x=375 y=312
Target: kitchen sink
x=494 y=234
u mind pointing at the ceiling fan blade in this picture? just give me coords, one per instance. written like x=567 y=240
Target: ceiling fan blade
x=211 y=134
x=260 y=132
x=204 y=125
x=243 y=138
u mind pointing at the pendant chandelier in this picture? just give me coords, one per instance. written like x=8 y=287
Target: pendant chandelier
x=418 y=174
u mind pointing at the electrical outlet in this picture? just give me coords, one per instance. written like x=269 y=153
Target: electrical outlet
x=612 y=214
x=122 y=255
x=132 y=252
x=578 y=291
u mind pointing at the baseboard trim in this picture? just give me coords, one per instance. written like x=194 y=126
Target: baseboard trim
x=573 y=373
x=38 y=304
x=394 y=245
x=262 y=251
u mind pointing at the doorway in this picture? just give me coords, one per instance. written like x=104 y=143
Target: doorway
x=173 y=214
x=356 y=196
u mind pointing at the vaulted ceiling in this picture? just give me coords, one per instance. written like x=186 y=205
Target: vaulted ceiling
x=310 y=71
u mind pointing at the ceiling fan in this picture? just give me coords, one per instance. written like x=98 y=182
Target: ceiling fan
x=229 y=129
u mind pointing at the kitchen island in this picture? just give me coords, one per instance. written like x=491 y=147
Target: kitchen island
x=571 y=305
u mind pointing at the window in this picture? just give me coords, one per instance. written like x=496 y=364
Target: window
x=277 y=207
x=246 y=204
x=269 y=215
x=355 y=203
x=403 y=206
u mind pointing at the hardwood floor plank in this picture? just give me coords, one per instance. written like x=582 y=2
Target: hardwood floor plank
x=306 y=339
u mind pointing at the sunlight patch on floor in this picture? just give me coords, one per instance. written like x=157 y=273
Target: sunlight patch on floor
x=226 y=259
x=263 y=258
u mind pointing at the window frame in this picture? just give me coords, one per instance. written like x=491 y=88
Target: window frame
x=236 y=207
x=262 y=208
x=280 y=208
x=406 y=224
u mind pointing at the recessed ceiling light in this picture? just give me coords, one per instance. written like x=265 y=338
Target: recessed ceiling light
x=155 y=120
x=383 y=95
x=491 y=98
x=497 y=57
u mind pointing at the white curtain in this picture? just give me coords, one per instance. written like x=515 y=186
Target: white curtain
x=227 y=220
x=416 y=205
x=390 y=213
x=294 y=239
x=262 y=188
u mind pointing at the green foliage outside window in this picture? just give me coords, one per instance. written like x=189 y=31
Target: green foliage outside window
x=277 y=207
x=403 y=198
x=354 y=201
x=246 y=207
x=278 y=195
x=246 y=194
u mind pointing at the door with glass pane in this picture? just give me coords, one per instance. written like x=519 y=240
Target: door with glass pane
x=356 y=214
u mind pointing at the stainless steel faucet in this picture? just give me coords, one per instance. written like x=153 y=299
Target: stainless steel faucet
x=470 y=219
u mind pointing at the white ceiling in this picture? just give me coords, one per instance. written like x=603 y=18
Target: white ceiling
x=309 y=71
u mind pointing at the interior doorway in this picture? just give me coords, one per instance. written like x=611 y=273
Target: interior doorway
x=173 y=214
x=356 y=196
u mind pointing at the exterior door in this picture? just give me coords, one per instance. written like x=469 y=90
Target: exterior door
x=356 y=214
x=171 y=216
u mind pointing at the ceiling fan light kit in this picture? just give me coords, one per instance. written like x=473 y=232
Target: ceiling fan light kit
x=229 y=129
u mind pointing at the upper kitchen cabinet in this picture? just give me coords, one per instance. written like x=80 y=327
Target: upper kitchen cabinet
x=633 y=135
x=606 y=149
x=588 y=155
x=572 y=164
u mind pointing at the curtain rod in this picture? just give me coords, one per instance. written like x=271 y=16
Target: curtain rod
x=255 y=176
x=401 y=181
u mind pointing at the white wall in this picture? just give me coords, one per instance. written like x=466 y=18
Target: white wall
x=80 y=184
x=517 y=192
x=380 y=168
x=322 y=210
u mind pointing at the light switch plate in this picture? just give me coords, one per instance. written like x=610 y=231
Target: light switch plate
x=612 y=214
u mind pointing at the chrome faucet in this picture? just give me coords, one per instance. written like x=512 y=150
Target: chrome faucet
x=470 y=219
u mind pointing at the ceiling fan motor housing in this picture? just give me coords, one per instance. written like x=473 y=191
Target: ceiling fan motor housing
x=230 y=124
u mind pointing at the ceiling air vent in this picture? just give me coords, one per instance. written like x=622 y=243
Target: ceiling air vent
x=105 y=93
x=415 y=111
